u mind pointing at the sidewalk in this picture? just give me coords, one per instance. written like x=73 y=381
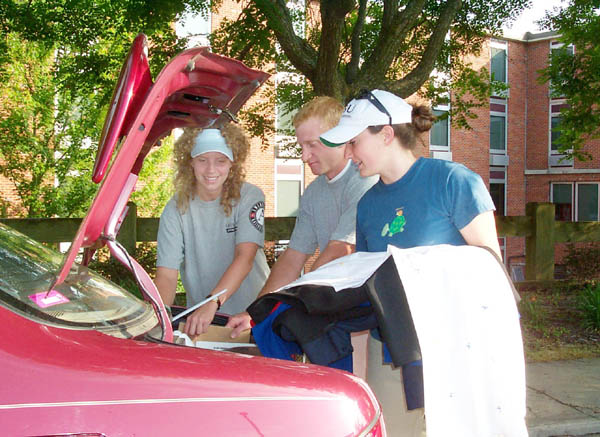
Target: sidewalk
x=563 y=398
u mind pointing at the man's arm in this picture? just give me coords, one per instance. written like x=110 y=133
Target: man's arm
x=166 y=282
x=482 y=232
x=286 y=269
x=335 y=249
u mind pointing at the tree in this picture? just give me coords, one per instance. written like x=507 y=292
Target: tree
x=574 y=74
x=341 y=46
x=59 y=61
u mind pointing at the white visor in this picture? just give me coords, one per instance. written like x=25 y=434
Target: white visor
x=211 y=140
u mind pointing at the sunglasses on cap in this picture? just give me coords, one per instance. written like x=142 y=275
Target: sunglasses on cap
x=365 y=94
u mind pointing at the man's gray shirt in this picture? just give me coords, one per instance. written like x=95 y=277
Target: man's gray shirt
x=328 y=210
x=201 y=245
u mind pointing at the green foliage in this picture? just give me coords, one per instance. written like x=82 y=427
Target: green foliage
x=588 y=302
x=59 y=61
x=532 y=313
x=574 y=75
x=41 y=145
x=583 y=262
x=155 y=184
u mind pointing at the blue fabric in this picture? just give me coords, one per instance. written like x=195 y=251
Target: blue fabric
x=324 y=350
x=270 y=344
x=427 y=206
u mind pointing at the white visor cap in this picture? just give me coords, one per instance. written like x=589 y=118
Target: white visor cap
x=211 y=140
x=361 y=113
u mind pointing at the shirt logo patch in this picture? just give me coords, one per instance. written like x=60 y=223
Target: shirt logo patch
x=230 y=228
x=397 y=225
x=257 y=216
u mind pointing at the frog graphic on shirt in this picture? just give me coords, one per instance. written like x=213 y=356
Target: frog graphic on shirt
x=397 y=225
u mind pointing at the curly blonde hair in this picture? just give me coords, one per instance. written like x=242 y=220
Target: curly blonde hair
x=185 y=181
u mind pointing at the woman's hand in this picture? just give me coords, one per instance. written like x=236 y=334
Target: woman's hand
x=199 y=321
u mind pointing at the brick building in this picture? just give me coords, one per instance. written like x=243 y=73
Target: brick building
x=511 y=144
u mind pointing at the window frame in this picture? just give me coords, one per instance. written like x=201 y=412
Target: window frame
x=505 y=116
x=437 y=147
x=500 y=45
x=554 y=156
x=555 y=45
x=500 y=181
x=576 y=209
x=575 y=197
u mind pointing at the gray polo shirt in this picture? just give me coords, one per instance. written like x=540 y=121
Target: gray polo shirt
x=328 y=210
x=201 y=244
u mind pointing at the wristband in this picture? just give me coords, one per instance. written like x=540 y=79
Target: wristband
x=217 y=300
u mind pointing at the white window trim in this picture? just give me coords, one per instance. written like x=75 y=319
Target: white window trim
x=435 y=147
x=500 y=114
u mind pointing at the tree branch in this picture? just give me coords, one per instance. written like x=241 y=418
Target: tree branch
x=391 y=38
x=413 y=80
x=298 y=51
x=354 y=63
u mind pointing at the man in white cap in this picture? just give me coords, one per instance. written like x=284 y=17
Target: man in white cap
x=327 y=216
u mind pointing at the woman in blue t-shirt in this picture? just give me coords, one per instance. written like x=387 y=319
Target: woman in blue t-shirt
x=417 y=202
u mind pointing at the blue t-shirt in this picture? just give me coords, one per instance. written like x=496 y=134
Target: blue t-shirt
x=427 y=206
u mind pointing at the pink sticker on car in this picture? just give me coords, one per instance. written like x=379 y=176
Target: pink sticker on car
x=48 y=298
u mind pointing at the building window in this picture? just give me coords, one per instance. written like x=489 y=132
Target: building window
x=585 y=207
x=498 y=189
x=554 y=133
x=556 y=158
x=499 y=65
x=439 y=137
x=555 y=48
x=497 y=126
x=555 y=118
x=289 y=179
x=562 y=197
x=587 y=202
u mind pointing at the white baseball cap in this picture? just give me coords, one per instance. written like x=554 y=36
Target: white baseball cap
x=211 y=140
x=370 y=108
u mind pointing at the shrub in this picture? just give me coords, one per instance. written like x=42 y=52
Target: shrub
x=588 y=302
x=118 y=273
x=583 y=263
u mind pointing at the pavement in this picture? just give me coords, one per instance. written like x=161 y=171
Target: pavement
x=563 y=398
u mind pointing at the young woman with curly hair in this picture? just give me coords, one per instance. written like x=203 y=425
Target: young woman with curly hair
x=212 y=230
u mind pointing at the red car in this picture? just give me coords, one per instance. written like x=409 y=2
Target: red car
x=80 y=356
